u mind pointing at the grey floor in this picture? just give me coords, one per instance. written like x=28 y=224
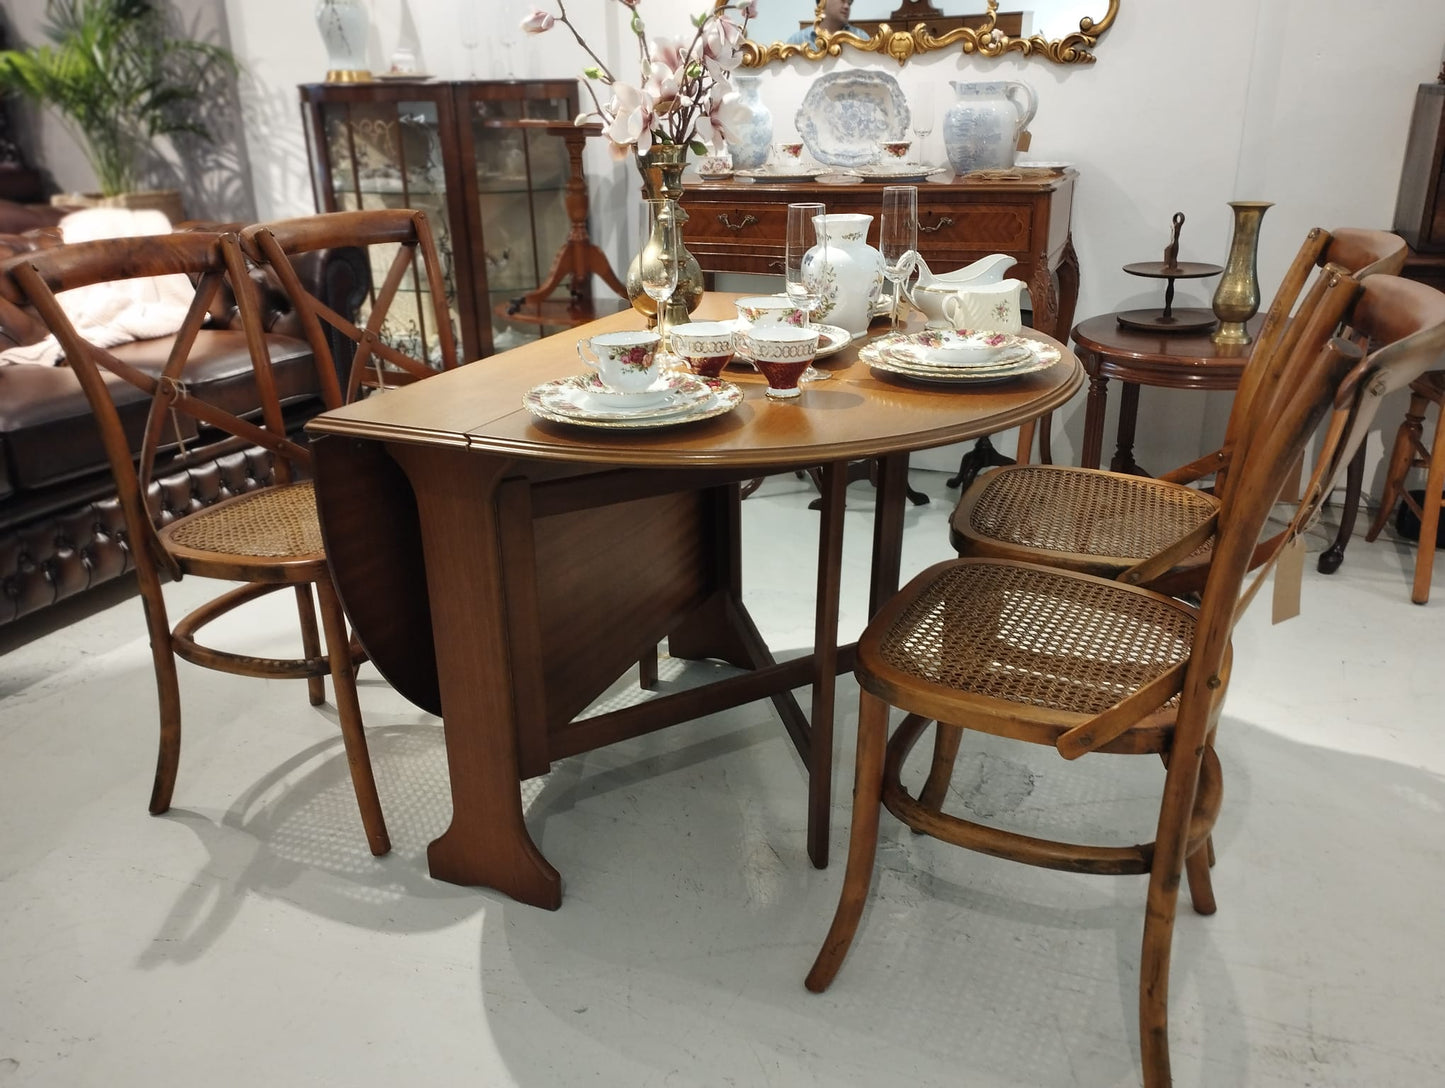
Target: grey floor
x=249 y=938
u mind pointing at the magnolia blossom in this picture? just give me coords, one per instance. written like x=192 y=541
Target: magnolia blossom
x=631 y=116
x=538 y=22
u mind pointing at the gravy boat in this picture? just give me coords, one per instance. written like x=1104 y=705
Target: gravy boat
x=928 y=292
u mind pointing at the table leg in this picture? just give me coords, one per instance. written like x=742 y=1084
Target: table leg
x=1098 y=400
x=825 y=661
x=888 y=530
x=487 y=842
x=1128 y=422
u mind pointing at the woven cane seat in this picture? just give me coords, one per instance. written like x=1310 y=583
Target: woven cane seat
x=1083 y=519
x=277 y=523
x=1041 y=648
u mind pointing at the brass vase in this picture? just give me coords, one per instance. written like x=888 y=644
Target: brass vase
x=1236 y=299
x=661 y=170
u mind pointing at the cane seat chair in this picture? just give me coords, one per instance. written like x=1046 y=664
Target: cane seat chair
x=405 y=337
x=1108 y=522
x=1088 y=664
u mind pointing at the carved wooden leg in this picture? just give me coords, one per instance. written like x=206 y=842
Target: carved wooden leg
x=348 y=711
x=1094 y=406
x=1331 y=558
x=1430 y=514
x=862 y=841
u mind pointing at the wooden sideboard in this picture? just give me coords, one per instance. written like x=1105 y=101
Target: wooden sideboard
x=738 y=226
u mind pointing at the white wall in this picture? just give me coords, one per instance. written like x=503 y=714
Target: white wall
x=1190 y=105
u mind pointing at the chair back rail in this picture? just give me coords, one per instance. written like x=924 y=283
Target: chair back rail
x=276 y=244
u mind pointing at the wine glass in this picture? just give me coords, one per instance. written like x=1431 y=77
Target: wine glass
x=922 y=121
x=805 y=277
x=657 y=259
x=898 y=239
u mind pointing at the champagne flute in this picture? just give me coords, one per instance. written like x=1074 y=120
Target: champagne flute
x=922 y=121
x=657 y=260
x=805 y=277
x=898 y=239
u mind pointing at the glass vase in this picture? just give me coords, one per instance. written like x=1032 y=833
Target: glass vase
x=661 y=170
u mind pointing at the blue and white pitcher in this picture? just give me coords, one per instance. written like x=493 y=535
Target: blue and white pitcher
x=981 y=130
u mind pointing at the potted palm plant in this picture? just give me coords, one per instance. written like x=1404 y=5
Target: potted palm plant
x=120 y=79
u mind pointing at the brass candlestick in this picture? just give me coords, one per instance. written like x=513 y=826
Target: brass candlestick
x=1236 y=299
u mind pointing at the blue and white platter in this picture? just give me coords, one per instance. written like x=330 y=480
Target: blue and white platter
x=847 y=115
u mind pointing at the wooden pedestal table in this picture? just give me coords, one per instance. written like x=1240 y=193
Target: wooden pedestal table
x=503 y=571
x=1137 y=357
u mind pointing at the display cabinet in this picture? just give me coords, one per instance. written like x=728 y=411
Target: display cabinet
x=494 y=189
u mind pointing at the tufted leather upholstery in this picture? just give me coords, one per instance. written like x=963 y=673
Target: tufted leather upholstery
x=61 y=530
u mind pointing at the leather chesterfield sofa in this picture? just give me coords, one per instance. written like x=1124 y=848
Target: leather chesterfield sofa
x=61 y=528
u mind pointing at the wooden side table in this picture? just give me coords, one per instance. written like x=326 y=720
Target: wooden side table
x=1136 y=357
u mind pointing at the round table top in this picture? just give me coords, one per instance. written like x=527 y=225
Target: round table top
x=1181 y=360
x=1181 y=270
x=858 y=413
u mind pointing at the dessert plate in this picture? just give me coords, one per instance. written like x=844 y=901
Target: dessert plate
x=659 y=392
x=896 y=172
x=957 y=348
x=847 y=114
x=884 y=354
x=781 y=173
x=567 y=400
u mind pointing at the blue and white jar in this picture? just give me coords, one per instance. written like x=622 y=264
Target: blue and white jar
x=852 y=273
x=981 y=130
x=752 y=134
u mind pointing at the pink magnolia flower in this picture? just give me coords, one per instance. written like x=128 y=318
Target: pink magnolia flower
x=632 y=114
x=538 y=22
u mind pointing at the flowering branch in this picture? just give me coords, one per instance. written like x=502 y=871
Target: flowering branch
x=680 y=98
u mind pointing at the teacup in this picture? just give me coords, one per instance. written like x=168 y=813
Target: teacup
x=781 y=353
x=788 y=154
x=759 y=310
x=626 y=362
x=706 y=346
x=896 y=149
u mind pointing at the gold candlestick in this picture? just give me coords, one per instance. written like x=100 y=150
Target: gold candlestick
x=1236 y=299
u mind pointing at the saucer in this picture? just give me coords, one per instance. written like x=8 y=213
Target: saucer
x=657 y=393
x=568 y=400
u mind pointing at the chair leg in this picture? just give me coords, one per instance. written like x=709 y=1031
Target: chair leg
x=1430 y=513
x=348 y=709
x=310 y=642
x=1402 y=456
x=862 y=841
x=168 y=693
x=1331 y=558
x=647 y=670
x=946 y=739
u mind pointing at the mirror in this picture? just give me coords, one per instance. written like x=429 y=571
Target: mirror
x=1062 y=31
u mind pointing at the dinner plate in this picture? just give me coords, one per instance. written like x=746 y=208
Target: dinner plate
x=566 y=400
x=788 y=173
x=847 y=114
x=831 y=338
x=880 y=356
x=957 y=348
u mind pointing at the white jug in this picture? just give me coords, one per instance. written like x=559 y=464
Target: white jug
x=992 y=307
x=928 y=292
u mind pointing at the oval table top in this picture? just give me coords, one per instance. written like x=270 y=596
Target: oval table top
x=858 y=413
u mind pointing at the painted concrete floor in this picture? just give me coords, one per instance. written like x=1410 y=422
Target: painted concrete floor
x=248 y=937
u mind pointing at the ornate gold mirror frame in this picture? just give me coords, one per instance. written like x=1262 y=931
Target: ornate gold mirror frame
x=985 y=38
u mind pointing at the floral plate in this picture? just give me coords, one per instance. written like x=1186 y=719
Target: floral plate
x=891 y=354
x=957 y=348
x=847 y=114
x=782 y=173
x=566 y=400
x=900 y=173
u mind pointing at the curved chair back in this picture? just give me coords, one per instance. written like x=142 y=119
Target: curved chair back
x=407 y=332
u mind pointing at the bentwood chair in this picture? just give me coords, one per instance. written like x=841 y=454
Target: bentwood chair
x=267 y=538
x=1088 y=664
x=408 y=332
x=1107 y=523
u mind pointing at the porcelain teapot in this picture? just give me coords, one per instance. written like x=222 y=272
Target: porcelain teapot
x=928 y=292
x=988 y=307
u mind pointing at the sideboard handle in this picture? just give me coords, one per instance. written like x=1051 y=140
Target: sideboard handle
x=943 y=221
x=748 y=221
